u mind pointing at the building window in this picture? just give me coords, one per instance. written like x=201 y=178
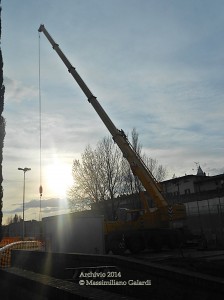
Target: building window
x=187 y=191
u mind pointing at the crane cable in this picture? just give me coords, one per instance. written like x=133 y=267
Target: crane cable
x=40 y=127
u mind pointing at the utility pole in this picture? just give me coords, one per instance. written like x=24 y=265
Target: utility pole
x=24 y=183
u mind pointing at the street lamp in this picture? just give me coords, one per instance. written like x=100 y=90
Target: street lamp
x=24 y=182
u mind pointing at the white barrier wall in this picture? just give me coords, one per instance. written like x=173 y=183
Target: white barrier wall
x=70 y=233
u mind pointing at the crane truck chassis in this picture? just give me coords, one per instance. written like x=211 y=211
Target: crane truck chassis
x=148 y=227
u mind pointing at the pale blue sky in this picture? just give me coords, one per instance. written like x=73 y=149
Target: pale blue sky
x=153 y=65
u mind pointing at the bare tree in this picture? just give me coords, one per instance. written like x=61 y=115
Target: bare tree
x=137 y=146
x=87 y=178
x=111 y=159
x=133 y=184
x=112 y=168
x=135 y=141
x=158 y=171
x=103 y=173
x=99 y=175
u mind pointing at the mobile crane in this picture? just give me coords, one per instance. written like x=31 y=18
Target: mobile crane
x=136 y=229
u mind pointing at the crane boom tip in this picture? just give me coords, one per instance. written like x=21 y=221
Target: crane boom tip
x=41 y=28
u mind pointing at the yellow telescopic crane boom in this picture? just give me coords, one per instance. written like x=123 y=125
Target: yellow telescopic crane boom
x=137 y=165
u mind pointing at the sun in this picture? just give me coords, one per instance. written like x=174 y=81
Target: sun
x=58 y=178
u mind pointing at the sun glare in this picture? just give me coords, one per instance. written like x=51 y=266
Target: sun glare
x=58 y=178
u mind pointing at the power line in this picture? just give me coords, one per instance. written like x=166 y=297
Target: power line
x=40 y=123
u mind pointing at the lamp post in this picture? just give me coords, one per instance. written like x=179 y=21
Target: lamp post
x=24 y=182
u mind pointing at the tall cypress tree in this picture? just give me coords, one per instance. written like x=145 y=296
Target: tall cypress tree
x=2 y=125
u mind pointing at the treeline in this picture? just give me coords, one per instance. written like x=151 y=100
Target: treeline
x=15 y=219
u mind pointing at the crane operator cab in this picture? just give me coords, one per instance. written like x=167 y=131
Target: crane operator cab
x=126 y=215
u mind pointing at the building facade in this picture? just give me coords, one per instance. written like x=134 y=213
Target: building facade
x=190 y=188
